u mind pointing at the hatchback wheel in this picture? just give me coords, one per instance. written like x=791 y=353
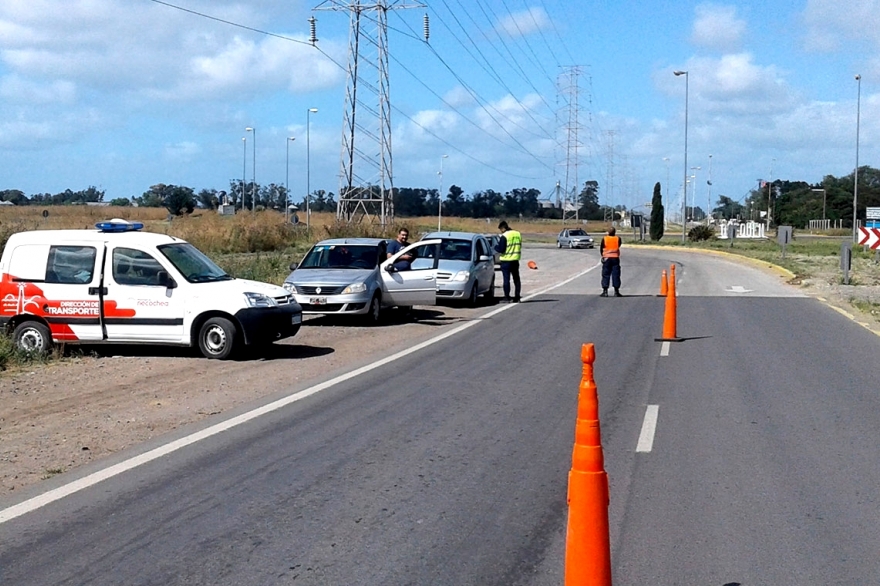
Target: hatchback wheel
x=558 y=244
x=472 y=298
x=490 y=294
x=571 y=243
x=32 y=337
x=217 y=338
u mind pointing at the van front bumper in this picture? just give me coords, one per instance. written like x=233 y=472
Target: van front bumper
x=267 y=324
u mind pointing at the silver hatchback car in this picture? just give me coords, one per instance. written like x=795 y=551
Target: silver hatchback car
x=465 y=268
x=574 y=238
x=353 y=276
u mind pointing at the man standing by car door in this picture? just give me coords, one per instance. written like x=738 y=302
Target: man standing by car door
x=510 y=247
x=404 y=263
x=610 y=250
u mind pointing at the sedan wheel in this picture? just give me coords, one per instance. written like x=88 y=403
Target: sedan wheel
x=217 y=338
x=373 y=316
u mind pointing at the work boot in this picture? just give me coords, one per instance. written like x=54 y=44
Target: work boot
x=604 y=293
x=617 y=293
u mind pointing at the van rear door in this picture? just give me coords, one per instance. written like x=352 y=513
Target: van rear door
x=60 y=283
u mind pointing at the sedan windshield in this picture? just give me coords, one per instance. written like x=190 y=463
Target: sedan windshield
x=192 y=263
x=342 y=256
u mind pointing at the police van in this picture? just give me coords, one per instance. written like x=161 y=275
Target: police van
x=119 y=285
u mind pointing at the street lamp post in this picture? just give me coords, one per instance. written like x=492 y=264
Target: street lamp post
x=243 y=167
x=289 y=140
x=694 y=198
x=856 y=174
x=684 y=185
x=309 y=167
x=666 y=159
x=440 y=193
x=253 y=170
x=769 y=191
x=709 y=191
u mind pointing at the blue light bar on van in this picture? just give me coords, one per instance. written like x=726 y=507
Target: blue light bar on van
x=117 y=225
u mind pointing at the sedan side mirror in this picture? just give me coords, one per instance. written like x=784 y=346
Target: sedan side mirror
x=389 y=268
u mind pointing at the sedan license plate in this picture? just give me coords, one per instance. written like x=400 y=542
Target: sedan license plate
x=317 y=301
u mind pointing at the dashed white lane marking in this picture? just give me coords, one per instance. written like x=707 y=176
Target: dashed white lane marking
x=664 y=349
x=649 y=428
x=53 y=495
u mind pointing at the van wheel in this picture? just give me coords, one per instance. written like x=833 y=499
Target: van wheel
x=374 y=314
x=217 y=338
x=32 y=337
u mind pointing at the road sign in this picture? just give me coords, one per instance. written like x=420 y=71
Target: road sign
x=869 y=237
x=872 y=213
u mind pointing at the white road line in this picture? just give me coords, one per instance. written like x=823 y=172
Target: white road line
x=51 y=496
x=664 y=349
x=649 y=428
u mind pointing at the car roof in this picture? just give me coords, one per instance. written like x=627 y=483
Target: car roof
x=455 y=235
x=351 y=241
x=60 y=236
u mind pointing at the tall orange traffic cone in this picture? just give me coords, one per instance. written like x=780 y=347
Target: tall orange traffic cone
x=670 y=313
x=587 y=542
x=664 y=289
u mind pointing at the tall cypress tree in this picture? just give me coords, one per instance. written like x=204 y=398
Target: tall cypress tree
x=657 y=213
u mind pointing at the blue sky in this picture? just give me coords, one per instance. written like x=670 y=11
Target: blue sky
x=124 y=94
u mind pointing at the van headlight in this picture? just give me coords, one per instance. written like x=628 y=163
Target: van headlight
x=355 y=288
x=462 y=276
x=259 y=300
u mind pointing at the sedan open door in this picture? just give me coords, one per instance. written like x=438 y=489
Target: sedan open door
x=418 y=285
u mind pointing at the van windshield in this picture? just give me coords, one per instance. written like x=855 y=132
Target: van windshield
x=192 y=263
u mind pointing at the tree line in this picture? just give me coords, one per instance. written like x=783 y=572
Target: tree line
x=795 y=203
x=408 y=201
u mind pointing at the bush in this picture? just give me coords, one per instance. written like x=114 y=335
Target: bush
x=701 y=233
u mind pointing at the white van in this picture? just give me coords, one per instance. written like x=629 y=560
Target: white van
x=119 y=285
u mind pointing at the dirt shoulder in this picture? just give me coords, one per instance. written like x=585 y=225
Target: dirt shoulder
x=58 y=417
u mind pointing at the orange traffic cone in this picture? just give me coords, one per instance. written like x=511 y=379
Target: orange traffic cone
x=670 y=313
x=663 y=287
x=587 y=542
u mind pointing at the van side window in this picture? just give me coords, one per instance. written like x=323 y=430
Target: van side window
x=135 y=267
x=71 y=264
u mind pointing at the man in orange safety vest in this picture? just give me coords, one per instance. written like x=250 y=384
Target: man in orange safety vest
x=610 y=250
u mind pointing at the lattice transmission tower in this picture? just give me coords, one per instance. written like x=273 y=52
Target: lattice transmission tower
x=571 y=142
x=366 y=184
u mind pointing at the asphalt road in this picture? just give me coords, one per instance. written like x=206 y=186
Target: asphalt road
x=449 y=465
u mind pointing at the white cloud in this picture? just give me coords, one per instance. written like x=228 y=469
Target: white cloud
x=524 y=22
x=17 y=90
x=182 y=151
x=832 y=23
x=717 y=27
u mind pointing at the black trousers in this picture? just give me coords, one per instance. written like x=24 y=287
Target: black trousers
x=510 y=269
x=611 y=272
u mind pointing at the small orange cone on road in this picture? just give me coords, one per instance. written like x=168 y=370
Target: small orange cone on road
x=664 y=290
x=532 y=264
x=670 y=313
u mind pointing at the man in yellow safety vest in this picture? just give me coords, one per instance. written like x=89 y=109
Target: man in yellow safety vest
x=610 y=250
x=510 y=247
